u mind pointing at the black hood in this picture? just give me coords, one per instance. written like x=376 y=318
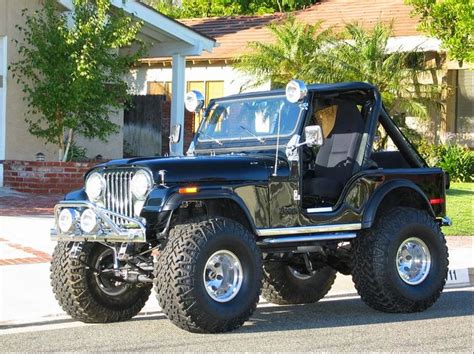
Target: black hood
x=220 y=168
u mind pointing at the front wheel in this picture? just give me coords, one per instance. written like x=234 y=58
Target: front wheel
x=89 y=297
x=401 y=264
x=208 y=277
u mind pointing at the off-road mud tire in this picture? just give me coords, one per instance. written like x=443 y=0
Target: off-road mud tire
x=374 y=266
x=79 y=295
x=179 y=281
x=281 y=287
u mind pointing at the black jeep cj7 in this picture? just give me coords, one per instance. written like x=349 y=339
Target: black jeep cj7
x=279 y=192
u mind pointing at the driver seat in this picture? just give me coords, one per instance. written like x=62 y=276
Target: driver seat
x=335 y=160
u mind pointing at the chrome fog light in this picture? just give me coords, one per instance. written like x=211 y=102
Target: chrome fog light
x=66 y=219
x=88 y=221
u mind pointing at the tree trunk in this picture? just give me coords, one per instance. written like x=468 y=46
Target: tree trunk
x=60 y=147
x=70 y=137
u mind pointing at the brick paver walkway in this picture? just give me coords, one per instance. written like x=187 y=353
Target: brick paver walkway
x=28 y=204
x=13 y=254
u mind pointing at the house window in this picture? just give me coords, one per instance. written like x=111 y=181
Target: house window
x=210 y=90
x=160 y=88
x=465 y=102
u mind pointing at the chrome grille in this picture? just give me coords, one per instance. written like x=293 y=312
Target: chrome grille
x=118 y=195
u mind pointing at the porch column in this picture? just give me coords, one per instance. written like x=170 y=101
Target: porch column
x=177 y=101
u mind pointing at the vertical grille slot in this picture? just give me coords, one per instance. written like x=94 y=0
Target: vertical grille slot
x=118 y=195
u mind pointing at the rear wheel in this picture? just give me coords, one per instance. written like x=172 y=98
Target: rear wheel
x=89 y=297
x=401 y=264
x=285 y=285
x=208 y=277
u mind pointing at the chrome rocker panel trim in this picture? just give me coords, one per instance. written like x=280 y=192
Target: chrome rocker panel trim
x=109 y=231
x=308 y=229
x=308 y=238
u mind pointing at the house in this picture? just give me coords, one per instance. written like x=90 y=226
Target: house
x=165 y=37
x=213 y=74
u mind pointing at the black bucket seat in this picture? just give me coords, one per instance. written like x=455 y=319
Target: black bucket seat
x=336 y=159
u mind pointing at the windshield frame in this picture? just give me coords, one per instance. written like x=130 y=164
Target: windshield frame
x=247 y=143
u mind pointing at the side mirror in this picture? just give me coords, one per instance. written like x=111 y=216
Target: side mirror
x=314 y=135
x=175 y=134
x=194 y=101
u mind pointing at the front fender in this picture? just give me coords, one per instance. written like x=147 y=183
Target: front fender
x=373 y=204
x=169 y=199
x=79 y=194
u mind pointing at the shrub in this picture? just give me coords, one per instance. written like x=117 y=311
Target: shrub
x=458 y=161
x=77 y=153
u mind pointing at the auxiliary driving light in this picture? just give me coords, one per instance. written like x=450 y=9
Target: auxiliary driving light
x=66 y=219
x=194 y=101
x=88 y=221
x=295 y=91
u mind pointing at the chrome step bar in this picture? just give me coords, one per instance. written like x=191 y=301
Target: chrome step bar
x=295 y=230
x=307 y=238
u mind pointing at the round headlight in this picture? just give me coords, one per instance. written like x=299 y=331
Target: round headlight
x=66 y=219
x=88 y=221
x=95 y=186
x=295 y=91
x=141 y=184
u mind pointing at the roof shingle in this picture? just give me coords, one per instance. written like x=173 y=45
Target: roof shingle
x=234 y=33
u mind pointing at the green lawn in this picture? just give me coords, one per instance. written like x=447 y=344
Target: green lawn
x=460 y=209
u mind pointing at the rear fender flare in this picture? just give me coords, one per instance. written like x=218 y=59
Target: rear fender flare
x=370 y=211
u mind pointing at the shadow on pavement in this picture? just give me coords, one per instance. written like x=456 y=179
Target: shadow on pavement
x=325 y=314
x=350 y=312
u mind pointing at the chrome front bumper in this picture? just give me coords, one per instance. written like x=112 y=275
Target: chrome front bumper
x=108 y=230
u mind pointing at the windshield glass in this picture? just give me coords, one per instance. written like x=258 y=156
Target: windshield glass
x=249 y=119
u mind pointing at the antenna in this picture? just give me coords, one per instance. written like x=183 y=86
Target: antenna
x=278 y=139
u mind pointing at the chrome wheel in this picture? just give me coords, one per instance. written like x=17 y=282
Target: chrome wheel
x=413 y=261
x=299 y=275
x=223 y=276
x=105 y=263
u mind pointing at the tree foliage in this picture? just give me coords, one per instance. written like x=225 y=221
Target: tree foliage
x=295 y=53
x=208 y=8
x=305 y=52
x=451 y=21
x=71 y=71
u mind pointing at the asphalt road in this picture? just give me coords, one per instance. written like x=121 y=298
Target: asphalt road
x=343 y=324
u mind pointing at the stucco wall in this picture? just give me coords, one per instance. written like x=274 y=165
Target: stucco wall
x=112 y=148
x=20 y=144
x=234 y=81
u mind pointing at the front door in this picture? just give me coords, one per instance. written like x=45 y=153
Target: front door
x=3 y=94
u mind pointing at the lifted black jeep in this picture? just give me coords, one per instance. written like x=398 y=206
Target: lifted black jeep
x=279 y=191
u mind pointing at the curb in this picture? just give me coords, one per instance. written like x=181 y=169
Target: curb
x=458 y=277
